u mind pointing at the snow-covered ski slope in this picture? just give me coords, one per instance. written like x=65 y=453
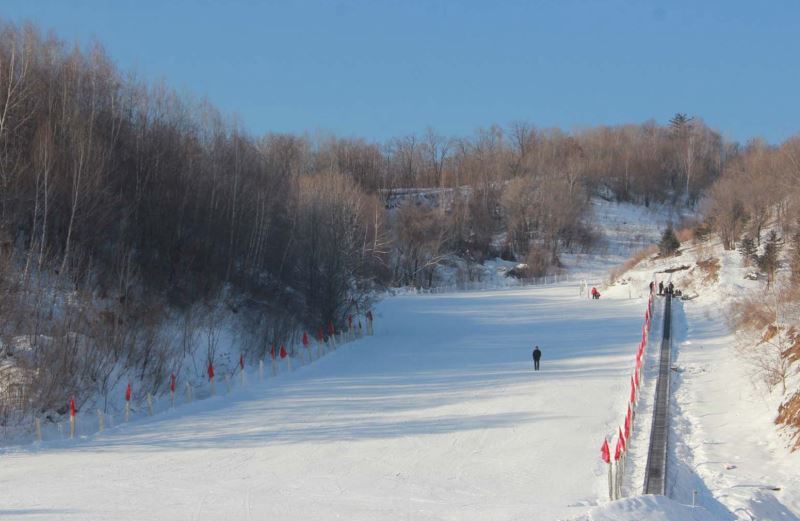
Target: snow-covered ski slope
x=439 y=416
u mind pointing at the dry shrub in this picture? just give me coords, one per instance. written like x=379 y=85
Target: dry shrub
x=793 y=352
x=711 y=269
x=685 y=234
x=769 y=333
x=538 y=262
x=789 y=415
x=632 y=262
x=751 y=313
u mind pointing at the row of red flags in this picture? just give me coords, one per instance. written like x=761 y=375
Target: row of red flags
x=210 y=371
x=623 y=435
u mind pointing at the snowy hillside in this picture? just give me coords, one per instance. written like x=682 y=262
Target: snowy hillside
x=724 y=442
x=441 y=416
x=623 y=229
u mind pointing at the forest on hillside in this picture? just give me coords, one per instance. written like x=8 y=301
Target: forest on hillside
x=124 y=204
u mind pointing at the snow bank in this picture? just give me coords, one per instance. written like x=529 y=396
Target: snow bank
x=650 y=508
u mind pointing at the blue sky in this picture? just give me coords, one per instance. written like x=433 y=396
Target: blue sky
x=379 y=69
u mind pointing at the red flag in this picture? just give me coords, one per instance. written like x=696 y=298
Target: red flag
x=605 y=453
x=369 y=315
x=172 y=383
x=283 y=352
x=622 y=440
x=241 y=361
x=636 y=375
x=331 y=330
x=72 y=407
x=350 y=321
x=272 y=352
x=320 y=335
x=128 y=393
x=210 y=371
x=633 y=391
x=628 y=423
x=619 y=449
x=305 y=339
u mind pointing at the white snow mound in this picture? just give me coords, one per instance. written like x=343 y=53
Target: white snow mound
x=651 y=508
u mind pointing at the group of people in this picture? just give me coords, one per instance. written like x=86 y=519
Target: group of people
x=669 y=289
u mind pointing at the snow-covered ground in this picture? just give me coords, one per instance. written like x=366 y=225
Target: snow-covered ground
x=724 y=445
x=438 y=416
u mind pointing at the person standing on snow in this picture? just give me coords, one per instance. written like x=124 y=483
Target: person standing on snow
x=661 y=288
x=537 y=355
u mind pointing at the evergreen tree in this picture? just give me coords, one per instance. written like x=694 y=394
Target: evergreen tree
x=749 y=250
x=768 y=261
x=669 y=242
x=681 y=124
x=794 y=258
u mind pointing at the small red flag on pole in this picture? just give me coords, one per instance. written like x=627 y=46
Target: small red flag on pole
x=305 y=339
x=210 y=370
x=272 y=352
x=605 y=452
x=331 y=330
x=172 y=383
x=628 y=422
x=283 y=352
x=350 y=321
x=619 y=449
x=622 y=439
x=128 y=393
x=320 y=335
x=72 y=407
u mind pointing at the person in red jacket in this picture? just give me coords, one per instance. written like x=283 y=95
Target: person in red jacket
x=595 y=293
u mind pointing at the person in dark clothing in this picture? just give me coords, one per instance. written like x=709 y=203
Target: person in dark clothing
x=671 y=288
x=537 y=355
x=651 y=286
x=661 y=288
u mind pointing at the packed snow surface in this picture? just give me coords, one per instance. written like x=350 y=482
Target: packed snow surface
x=438 y=416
